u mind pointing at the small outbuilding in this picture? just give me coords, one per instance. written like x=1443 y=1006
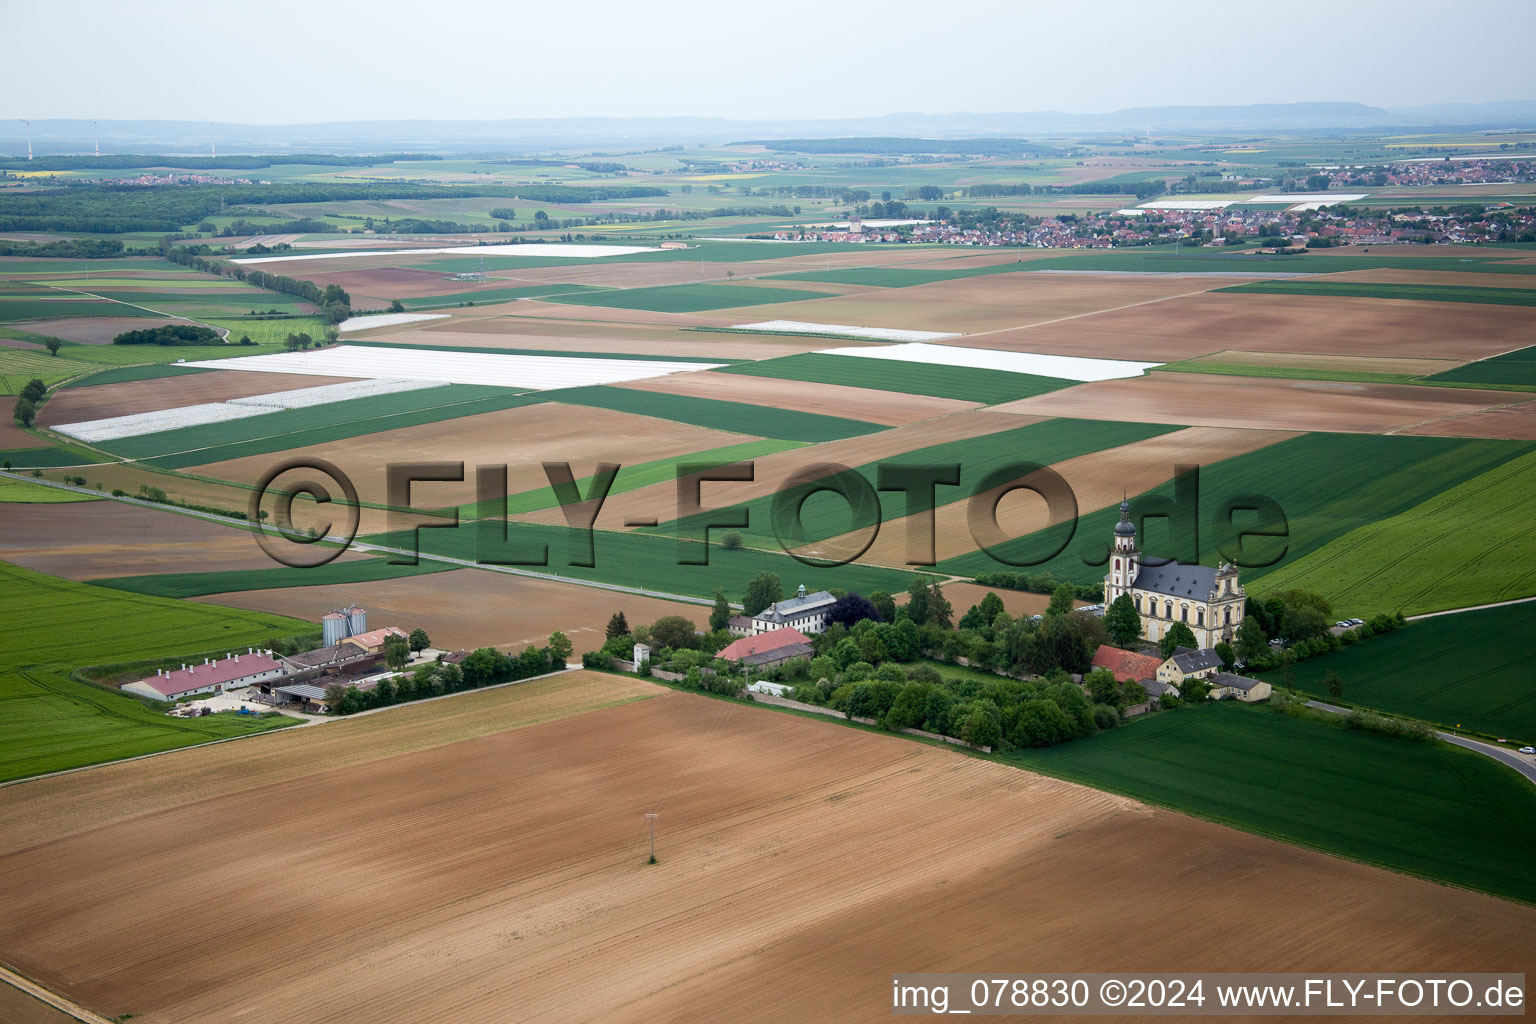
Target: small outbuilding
x=1225 y=684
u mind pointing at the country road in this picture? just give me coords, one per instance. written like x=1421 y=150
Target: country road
x=1525 y=764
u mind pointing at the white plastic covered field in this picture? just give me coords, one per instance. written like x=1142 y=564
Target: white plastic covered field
x=527 y=373
x=135 y=424
x=364 y=323
x=1066 y=367
x=574 y=251
x=844 y=330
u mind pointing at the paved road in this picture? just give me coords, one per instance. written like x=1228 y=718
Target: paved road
x=1471 y=608
x=1525 y=764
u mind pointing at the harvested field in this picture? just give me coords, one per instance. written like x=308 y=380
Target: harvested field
x=1452 y=278
x=95 y=330
x=1018 y=603
x=12 y=436
x=16 y=1007
x=866 y=404
x=520 y=438
x=454 y=892
x=1316 y=361
x=474 y=608
x=1098 y=479
x=993 y=302
x=1517 y=421
x=100 y=539
x=659 y=501
x=1201 y=324
x=553 y=307
x=1216 y=400
x=100 y=401
x=565 y=336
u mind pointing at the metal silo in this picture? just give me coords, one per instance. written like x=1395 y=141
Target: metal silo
x=357 y=621
x=333 y=628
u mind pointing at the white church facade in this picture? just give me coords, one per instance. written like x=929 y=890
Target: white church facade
x=1211 y=602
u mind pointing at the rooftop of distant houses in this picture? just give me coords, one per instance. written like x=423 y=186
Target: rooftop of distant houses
x=754 y=646
x=1126 y=664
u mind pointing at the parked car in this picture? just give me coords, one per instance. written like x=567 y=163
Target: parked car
x=1357 y=622
x=1343 y=624
x=1528 y=750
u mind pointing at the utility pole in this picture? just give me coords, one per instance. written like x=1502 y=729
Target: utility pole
x=96 y=136
x=652 y=819
x=29 y=136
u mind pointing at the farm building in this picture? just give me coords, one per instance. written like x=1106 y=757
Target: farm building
x=740 y=625
x=336 y=626
x=235 y=671
x=805 y=612
x=1211 y=602
x=1225 y=684
x=311 y=697
x=373 y=642
x=1139 y=668
x=772 y=648
x=1187 y=663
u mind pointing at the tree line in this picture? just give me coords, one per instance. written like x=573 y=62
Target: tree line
x=155 y=161
x=484 y=666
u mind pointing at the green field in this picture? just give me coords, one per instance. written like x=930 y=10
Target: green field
x=1471 y=544
x=826 y=515
x=19 y=365
x=1468 y=670
x=963 y=383
x=629 y=478
x=295 y=428
x=29 y=493
x=42 y=456
x=201 y=584
x=145 y=371
x=49 y=722
x=640 y=560
x=689 y=298
x=490 y=295
x=1436 y=811
x=558 y=353
x=1287 y=372
x=1518 y=367
x=1325 y=484
x=737 y=417
x=1408 y=292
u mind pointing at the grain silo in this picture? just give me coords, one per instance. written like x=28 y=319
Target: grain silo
x=357 y=621
x=333 y=628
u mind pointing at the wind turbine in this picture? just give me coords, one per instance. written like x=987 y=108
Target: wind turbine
x=29 y=136
x=96 y=136
x=212 y=151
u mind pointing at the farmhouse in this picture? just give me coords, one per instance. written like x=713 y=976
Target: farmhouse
x=1225 y=684
x=235 y=671
x=373 y=642
x=804 y=612
x=1187 y=663
x=1211 y=602
x=771 y=648
x=1138 y=668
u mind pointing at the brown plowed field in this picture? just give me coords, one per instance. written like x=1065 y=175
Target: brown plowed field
x=1017 y=603
x=643 y=339
x=16 y=1007
x=394 y=282
x=1438 y=277
x=90 y=540
x=520 y=438
x=1097 y=479
x=1200 y=324
x=72 y=405
x=1314 y=361
x=474 y=608
x=93 y=330
x=659 y=501
x=13 y=436
x=884 y=407
x=552 y=307
x=1516 y=421
x=993 y=302
x=1209 y=399
x=503 y=877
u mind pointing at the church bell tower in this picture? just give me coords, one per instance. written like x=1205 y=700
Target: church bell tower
x=1124 y=559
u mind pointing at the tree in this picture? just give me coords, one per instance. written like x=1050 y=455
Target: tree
x=1102 y=686
x=884 y=605
x=1302 y=623
x=1333 y=684
x=483 y=666
x=34 y=390
x=763 y=590
x=1227 y=655
x=397 y=651
x=53 y=345
x=1178 y=635
x=560 y=648
x=720 y=614
x=1123 y=622
x=618 y=625
x=940 y=612
x=673 y=631
x=1251 y=639
x=731 y=540
x=851 y=609
x=26 y=411
x=396 y=306
x=980 y=727
x=917 y=602
x=419 y=640
x=1061 y=600
x=1041 y=723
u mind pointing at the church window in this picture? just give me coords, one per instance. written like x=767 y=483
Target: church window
x=1199 y=616
x=1183 y=613
x=1117 y=565
x=1226 y=617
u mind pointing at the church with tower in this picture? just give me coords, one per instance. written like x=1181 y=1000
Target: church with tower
x=1211 y=602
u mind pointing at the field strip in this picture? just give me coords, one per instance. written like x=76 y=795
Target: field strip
x=1470 y=608
x=223 y=331
x=537 y=373
x=1079 y=368
x=358 y=545
x=363 y=323
x=509 y=249
x=844 y=330
x=53 y=999
x=1091 y=312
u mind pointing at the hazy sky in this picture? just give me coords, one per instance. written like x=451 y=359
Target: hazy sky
x=322 y=60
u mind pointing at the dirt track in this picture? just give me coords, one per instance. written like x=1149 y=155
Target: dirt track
x=503 y=877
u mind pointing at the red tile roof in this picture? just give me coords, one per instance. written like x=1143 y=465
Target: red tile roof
x=1126 y=664
x=375 y=638
x=769 y=641
x=219 y=673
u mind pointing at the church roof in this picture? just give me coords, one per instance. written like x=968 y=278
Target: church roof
x=1177 y=579
x=1125 y=528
